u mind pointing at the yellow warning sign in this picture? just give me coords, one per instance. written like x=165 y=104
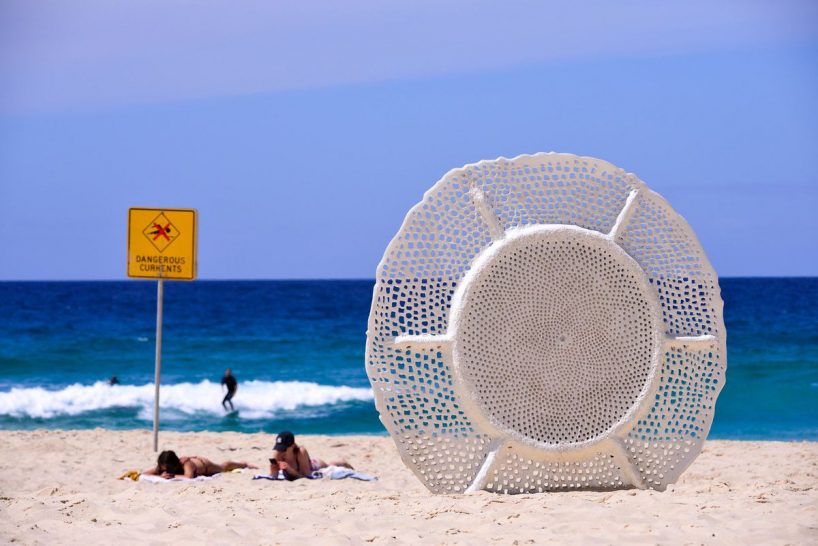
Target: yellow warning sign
x=162 y=243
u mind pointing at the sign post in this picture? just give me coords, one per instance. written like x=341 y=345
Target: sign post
x=162 y=246
x=160 y=295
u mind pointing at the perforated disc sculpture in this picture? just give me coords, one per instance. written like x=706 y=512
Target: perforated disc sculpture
x=542 y=323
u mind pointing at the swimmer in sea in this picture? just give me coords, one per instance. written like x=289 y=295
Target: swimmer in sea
x=169 y=466
x=295 y=460
x=232 y=386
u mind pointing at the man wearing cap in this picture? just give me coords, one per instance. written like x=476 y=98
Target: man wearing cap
x=294 y=460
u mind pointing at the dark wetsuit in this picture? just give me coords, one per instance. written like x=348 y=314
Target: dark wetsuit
x=230 y=382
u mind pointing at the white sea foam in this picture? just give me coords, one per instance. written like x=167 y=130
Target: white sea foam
x=254 y=400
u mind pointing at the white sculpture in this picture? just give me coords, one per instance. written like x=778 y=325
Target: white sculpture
x=543 y=323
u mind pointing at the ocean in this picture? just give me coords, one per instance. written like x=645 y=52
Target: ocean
x=297 y=350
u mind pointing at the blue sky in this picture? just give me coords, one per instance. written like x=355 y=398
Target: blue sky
x=303 y=134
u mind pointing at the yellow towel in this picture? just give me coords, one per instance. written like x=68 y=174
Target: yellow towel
x=131 y=474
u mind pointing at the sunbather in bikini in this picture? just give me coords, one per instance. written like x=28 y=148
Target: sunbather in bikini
x=168 y=465
x=295 y=460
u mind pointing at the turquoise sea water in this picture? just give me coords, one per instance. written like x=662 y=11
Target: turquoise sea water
x=297 y=349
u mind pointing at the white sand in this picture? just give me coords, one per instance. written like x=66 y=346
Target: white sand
x=60 y=487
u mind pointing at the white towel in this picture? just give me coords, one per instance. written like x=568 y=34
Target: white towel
x=279 y=476
x=159 y=479
x=341 y=472
x=328 y=472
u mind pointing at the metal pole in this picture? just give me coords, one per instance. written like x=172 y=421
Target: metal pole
x=160 y=289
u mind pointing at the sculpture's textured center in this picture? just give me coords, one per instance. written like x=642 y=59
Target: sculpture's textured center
x=557 y=336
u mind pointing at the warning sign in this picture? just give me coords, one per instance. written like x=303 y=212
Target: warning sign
x=162 y=243
x=161 y=232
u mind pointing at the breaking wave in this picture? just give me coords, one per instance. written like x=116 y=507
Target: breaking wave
x=254 y=400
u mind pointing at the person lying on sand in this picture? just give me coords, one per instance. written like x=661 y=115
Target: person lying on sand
x=168 y=466
x=295 y=460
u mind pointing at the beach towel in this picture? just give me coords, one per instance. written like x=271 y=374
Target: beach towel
x=281 y=476
x=269 y=477
x=330 y=472
x=136 y=476
x=159 y=479
x=341 y=473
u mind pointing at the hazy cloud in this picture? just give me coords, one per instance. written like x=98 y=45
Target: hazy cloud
x=62 y=54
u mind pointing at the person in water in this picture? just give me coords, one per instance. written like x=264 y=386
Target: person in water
x=169 y=466
x=295 y=460
x=232 y=386
x=114 y=380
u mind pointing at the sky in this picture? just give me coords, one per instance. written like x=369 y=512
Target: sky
x=303 y=132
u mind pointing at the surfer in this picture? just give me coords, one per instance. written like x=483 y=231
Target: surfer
x=232 y=386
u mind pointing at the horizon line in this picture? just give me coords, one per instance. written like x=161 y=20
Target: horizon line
x=324 y=279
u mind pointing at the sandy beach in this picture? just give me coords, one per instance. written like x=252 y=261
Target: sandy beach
x=60 y=487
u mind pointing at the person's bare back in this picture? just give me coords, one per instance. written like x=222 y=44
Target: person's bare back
x=169 y=466
x=198 y=466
